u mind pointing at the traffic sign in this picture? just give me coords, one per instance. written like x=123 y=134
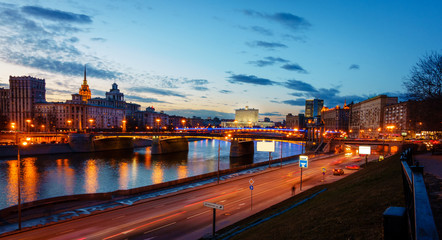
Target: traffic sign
x=251 y=181
x=323 y=169
x=251 y=187
x=213 y=205
x=303 y=157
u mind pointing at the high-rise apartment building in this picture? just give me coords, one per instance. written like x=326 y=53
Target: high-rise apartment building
x=24 y=92
x=367 y=117
x=313 y=107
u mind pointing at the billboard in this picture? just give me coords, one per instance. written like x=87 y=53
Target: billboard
x=265 y=146
x=365 y=150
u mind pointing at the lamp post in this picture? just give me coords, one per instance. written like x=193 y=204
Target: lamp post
x=91 y=121
x=124 y=126
x=18 y=179
x=69 y=124
x=183 y=122
x=219 y=150
x=28 y=121
x=158 y=122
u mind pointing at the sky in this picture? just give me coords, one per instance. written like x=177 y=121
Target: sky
x=208 y=58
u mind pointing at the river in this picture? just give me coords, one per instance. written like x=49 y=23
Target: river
x=55 y=175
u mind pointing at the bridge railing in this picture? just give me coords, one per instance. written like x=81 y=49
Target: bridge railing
x=419 y=217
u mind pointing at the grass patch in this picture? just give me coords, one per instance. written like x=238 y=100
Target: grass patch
x=350 y=209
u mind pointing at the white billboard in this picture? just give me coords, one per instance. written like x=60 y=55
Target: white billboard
x=365 y=150
x=265 y=146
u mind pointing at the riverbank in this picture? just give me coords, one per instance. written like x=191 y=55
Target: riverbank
x=66 y=207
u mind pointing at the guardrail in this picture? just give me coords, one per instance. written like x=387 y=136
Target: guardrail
x=419 y=216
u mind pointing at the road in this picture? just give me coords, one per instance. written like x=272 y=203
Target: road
x=182 y=215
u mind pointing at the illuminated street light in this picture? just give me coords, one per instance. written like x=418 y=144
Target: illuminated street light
x=69 y=124
x=124 y=125
x=28 y=121
x=18 y=179
x=183 y=122
x=158 y=122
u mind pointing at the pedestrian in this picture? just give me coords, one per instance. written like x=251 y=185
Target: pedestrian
x=293 y=190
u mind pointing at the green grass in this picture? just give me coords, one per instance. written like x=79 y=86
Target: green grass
x=350 y=208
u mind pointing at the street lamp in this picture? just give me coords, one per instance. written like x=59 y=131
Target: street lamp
x=124 y=125
x=91 y=121
x=29 y=122
x=69 y=124
x=158 y=122
x=18 y=180
x=184 y=122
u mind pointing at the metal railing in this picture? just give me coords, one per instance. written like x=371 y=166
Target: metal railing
x=421 y=223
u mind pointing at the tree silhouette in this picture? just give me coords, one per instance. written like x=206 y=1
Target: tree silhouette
x=425 y=79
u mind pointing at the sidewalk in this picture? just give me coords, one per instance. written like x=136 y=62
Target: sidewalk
x=433 y=180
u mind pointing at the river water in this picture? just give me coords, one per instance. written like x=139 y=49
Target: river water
x=66 y=174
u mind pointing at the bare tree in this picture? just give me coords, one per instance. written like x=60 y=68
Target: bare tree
x=425 y=79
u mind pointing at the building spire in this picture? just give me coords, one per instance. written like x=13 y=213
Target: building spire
x=84 y=81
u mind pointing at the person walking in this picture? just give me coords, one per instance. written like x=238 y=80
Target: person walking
x=293 y=190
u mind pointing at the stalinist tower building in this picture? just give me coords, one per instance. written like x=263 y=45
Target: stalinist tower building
x=85 y=92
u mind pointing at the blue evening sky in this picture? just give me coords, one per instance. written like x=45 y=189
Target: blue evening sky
x=208 y=58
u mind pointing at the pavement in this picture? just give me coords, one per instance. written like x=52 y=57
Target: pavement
x=433 y=180
x=432 y=163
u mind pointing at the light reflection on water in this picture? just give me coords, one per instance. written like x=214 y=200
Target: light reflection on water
x=66 y=174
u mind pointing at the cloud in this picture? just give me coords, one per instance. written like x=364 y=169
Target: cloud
x=198 y=84
x=299 y=86
x=156 y=91
x=268 y=45
x=225 y=91
x=56 y=15
x=250 y=79
x=297 y=94
x=143 y=99
x=261 y=30
x=268 y=61
x=271 y=114
x=294 y=67
x=297 y=102
x=293 y=22
x=354 y=66
x=98 y=39
x=201 y=113
x=66 y=68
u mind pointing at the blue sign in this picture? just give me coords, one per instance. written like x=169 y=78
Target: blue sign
x=251 y=187
x=303 y=163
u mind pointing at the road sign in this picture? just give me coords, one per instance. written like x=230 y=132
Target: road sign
x=213 y=205
x=323 y=170
x=251 y=187
x=251 y=181
x=303 y=161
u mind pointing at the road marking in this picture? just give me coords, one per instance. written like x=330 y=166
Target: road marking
x=158 y=228
x=206 y=200
x=222 y=200
x=67 y=231
x=119 y=217
x=147 y=224
x=241 y=204
x=196 y=215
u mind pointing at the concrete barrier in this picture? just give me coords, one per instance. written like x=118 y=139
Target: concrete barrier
x=241 y=148
x=169 y=145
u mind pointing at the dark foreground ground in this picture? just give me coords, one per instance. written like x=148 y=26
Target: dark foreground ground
x=351 y=208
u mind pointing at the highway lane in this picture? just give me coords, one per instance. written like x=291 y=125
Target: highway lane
x=183 y=216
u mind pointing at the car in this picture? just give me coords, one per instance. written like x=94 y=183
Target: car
x=338 y=171
x=353 y=167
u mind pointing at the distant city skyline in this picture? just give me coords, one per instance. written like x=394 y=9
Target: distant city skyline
x=201 y=58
